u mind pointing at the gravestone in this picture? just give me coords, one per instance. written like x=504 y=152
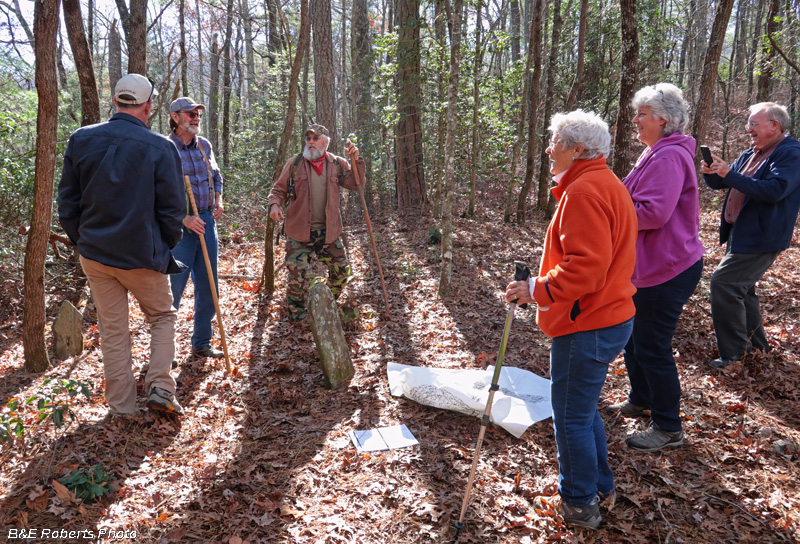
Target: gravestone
x=334 y=354
x=67 y=336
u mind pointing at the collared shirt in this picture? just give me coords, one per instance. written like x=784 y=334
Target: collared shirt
x=736 y=197
x=194 y=166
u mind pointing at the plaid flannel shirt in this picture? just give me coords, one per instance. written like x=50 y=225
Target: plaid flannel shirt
x=194 y=166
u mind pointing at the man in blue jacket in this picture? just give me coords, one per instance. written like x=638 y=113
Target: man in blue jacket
x=121 y=201
x=757 y=222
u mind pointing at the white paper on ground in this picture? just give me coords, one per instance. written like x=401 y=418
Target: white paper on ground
x=384 y=438
x=522 y=400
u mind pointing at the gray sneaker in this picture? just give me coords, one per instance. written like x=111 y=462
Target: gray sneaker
x=584 y=516
x=164 y=401
x=654 y=439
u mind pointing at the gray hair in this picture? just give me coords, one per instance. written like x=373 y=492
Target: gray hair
x=667 y=103
x=582 y=127
x=774 y=111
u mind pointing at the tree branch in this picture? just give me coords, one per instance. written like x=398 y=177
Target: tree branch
x=782 y=54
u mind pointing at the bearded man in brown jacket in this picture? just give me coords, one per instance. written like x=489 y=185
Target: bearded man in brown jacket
x=313 y=223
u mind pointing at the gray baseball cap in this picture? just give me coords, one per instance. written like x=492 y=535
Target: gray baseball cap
x=184 y=103
x=135 y=89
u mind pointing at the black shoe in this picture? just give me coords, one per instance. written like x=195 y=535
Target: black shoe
x=163 y=401
x=584 y=516
x=722 y=362
x=208 y=351
x=627 y=409
x=174 y=364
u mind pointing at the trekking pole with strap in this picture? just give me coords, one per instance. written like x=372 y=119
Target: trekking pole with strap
x=210 y=276
x=521 y=273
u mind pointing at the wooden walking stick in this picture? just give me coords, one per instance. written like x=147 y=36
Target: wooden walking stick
x=210 y=277
x=369 y=229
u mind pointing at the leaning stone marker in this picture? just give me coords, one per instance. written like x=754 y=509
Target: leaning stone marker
x=67 y=336
x=329 y=336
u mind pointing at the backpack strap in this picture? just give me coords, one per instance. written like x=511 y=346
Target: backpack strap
x=290 y=193
x=210 y=176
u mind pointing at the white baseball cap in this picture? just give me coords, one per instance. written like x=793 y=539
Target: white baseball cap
x=135 y=89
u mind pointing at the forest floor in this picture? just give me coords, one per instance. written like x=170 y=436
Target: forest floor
x=263 y=454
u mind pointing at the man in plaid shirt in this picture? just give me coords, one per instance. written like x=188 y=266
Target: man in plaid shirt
x=198 y=163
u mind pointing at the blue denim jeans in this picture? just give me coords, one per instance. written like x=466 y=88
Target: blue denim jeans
x=648 y=353
x=578 y=367
x=190 y=252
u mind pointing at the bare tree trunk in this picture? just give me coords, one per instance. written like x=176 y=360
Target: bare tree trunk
x=323 y=69
x=622 y=158
x=45 y=28
x=226 y=85
x=515 y=30
x=184 y=59
x=361 y=59
x=411 y=191
x=343 y=79
x=62 y=72
x=90 y=101
x=268 y=273
x=114 y=56
x=768 y=53
x=202 y=72
x=577 y=85
x=755 y=45
x=518 y=142
x=533 y=103
x=213 y=95
x=543 y=193
x=136 y=37
x=711 y=63
x=440 y=33
x=476 y=107
x=446 y=275
x=250 y=63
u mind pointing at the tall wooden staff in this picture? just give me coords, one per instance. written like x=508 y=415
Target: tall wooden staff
x=369 y=229
x=210 y=277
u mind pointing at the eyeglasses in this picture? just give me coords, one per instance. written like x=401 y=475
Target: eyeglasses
x=315 y=137
x=192 y=114
x=750 y=126
x=152 y=88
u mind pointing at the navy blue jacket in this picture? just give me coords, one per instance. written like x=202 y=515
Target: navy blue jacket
x=772 y=200
x=121 y=195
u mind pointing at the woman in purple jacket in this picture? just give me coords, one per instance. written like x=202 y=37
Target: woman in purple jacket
x=669 y=261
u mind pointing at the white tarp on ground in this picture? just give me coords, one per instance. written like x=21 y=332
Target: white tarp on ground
x=523 y=398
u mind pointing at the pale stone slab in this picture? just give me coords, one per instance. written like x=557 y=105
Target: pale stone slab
x=334 y=354
x=67 y=335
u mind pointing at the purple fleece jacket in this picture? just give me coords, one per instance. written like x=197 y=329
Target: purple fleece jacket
x=663 y=186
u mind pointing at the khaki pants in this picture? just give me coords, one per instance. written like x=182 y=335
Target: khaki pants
x=110 y=287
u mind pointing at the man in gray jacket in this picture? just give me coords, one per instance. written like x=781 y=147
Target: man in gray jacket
x=121 y=201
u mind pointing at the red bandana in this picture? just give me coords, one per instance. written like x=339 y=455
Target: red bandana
x=319 y=163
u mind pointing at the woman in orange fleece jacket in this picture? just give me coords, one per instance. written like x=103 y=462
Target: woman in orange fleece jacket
x=584 y=297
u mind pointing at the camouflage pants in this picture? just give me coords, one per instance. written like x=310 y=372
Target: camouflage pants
x=298 y=257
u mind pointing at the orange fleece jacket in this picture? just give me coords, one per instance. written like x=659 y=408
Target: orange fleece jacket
x=589 y=253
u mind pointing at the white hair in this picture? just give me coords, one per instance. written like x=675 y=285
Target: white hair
x=774 y=111
x=582 y=127
x=667 y=103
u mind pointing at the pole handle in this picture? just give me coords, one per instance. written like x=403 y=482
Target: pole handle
x=521 y=273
